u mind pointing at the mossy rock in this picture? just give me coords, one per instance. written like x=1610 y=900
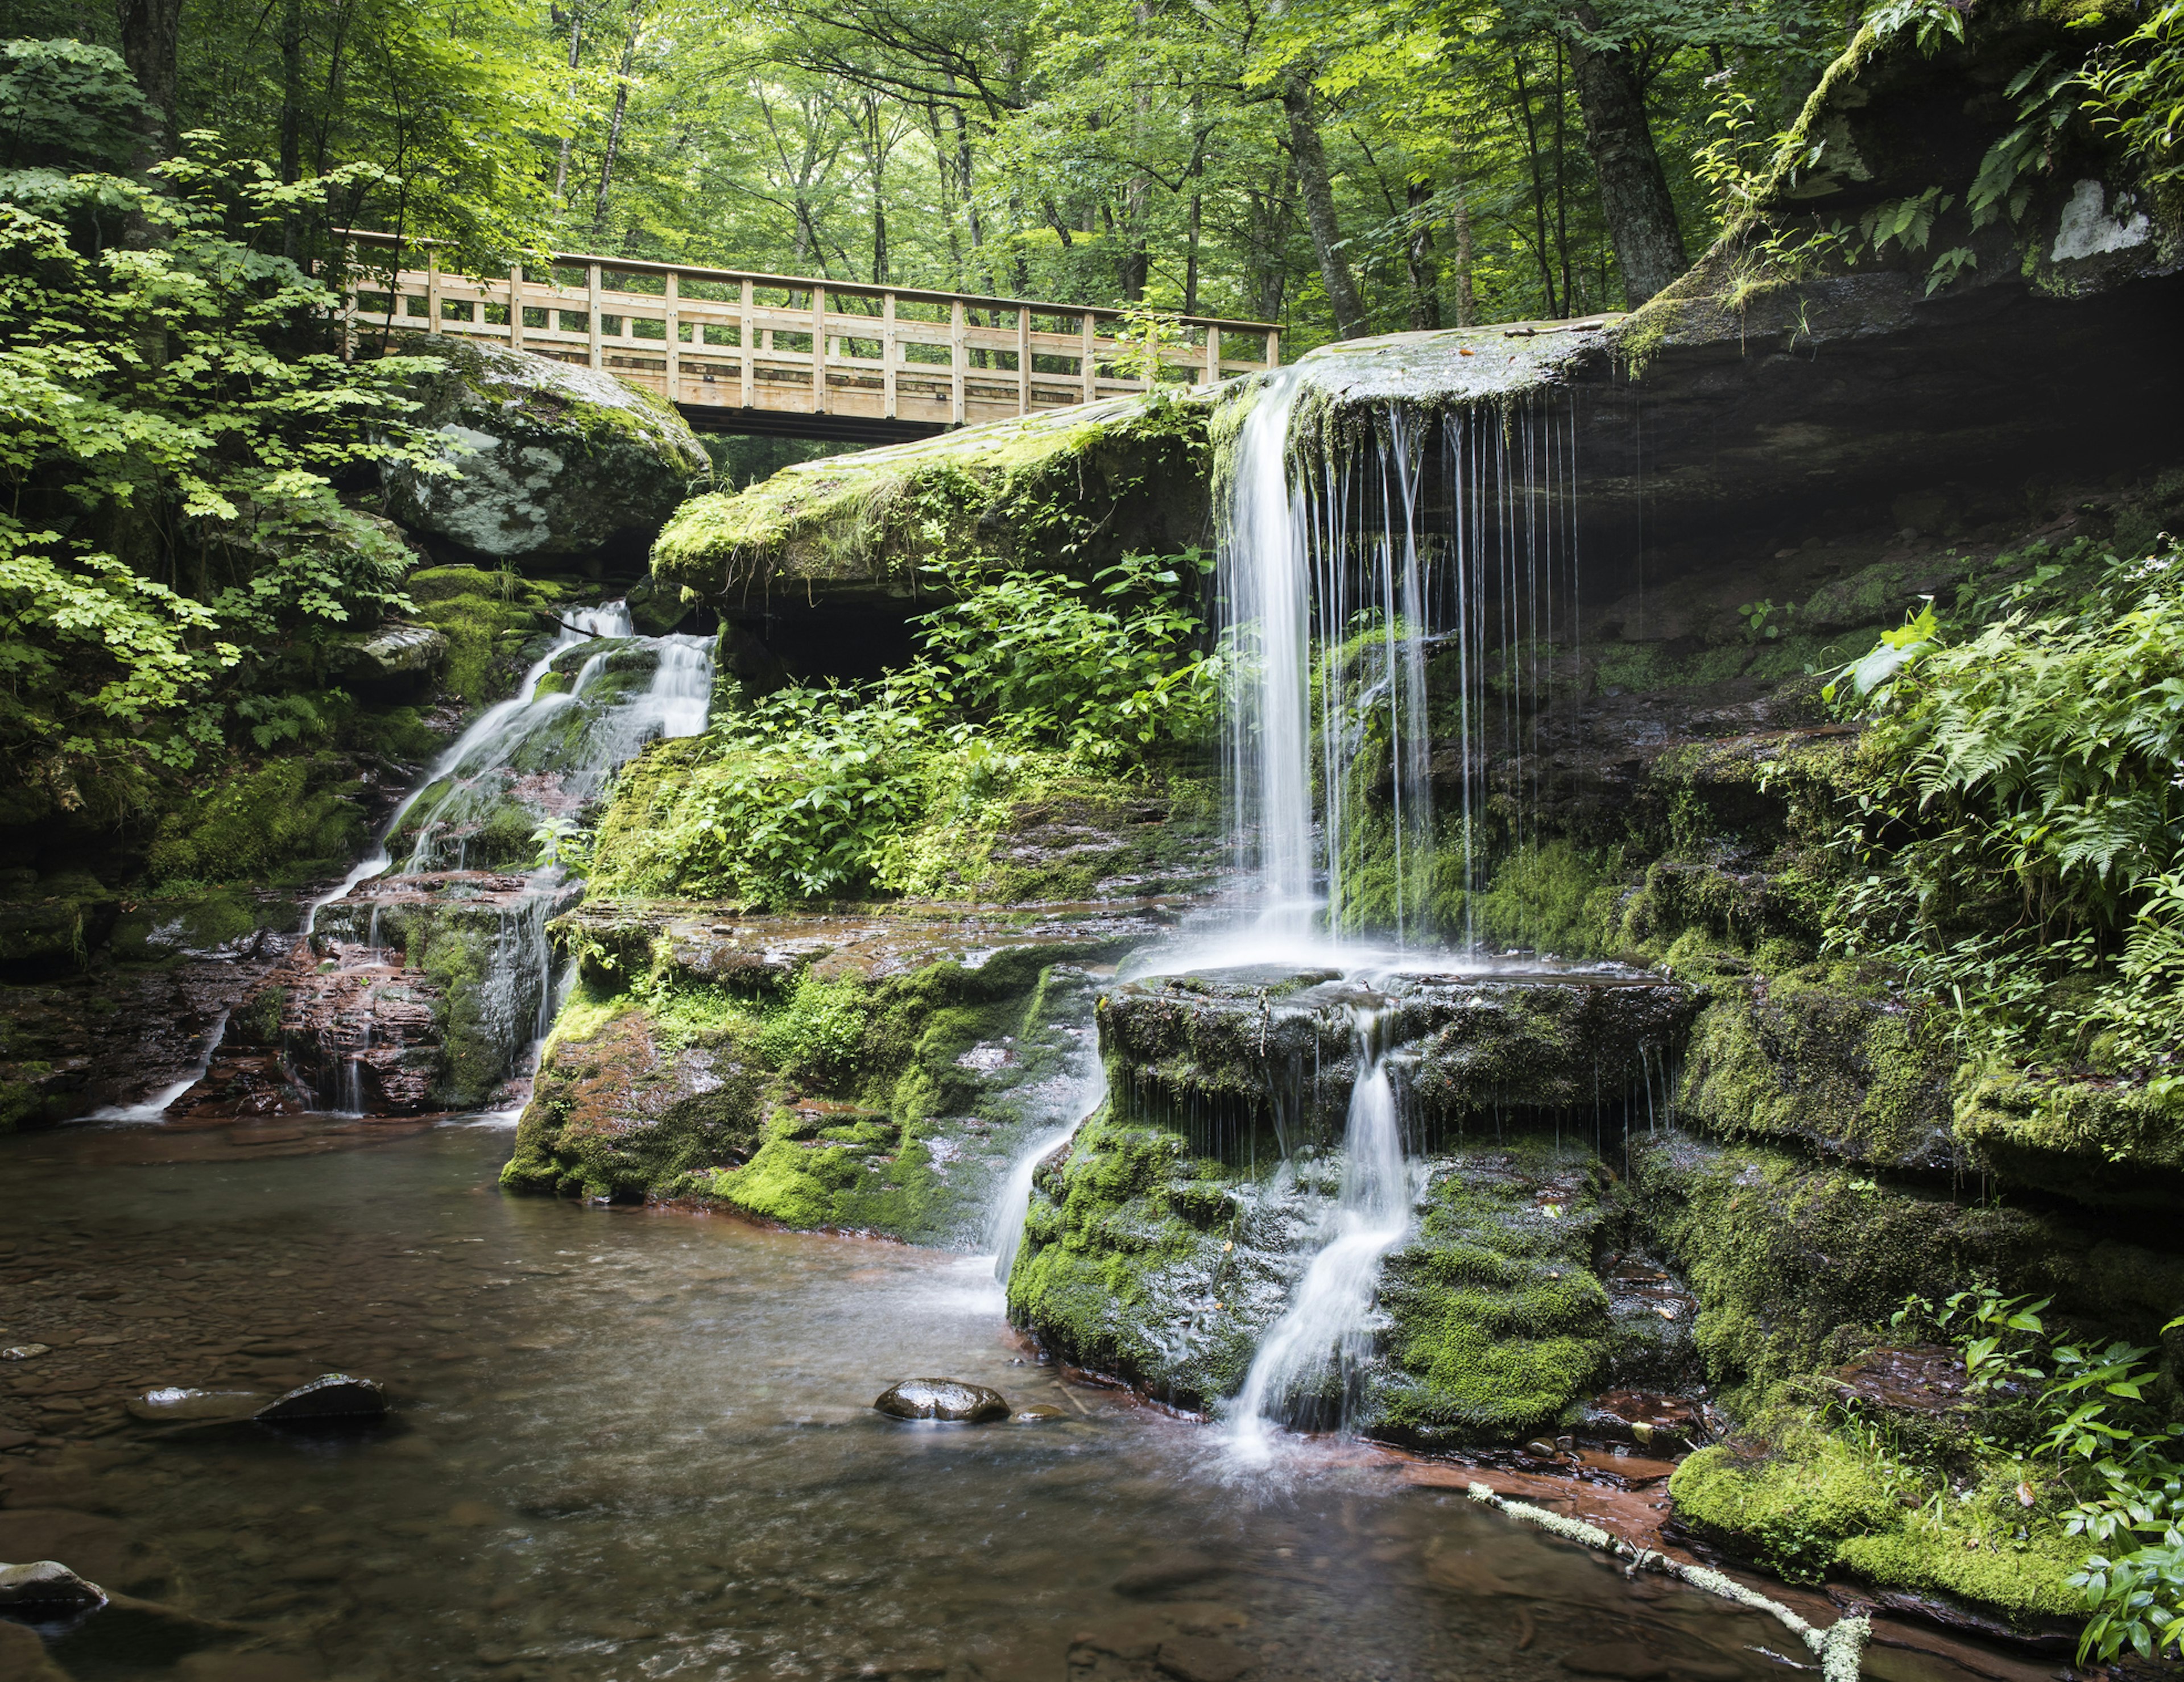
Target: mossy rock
x=1080 y=487
x=1499 y=1324
x=1143 y=1260
x=548 y=459
x=1808 y=1056
x=1794 y=1264
x=613 y=1115
x=1812 y=1505
x=289 y=819
x=2112 y=1143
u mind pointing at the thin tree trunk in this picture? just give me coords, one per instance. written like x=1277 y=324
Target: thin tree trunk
x=292 y=114
x=1539 y=181
x=1467 y=301
x=1194 y=222
x=561 y=163
x=1424 y=265
x=1634 y=189
x=614 y=128
x=1317 y=187
x=151 y=34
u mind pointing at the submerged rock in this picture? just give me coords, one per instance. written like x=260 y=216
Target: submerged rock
x=331 y=1395
x=948 y=1399
x=46 y=1589
x=550 y=460
x=173 y=1405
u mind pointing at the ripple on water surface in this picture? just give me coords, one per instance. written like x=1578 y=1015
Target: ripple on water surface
x=638 y=1444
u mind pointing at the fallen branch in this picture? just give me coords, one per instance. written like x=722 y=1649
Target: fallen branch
x=1840 y=1647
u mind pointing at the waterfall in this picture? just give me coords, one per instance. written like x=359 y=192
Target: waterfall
x=1397 y=588
x=1344 y=570
x=153 y=1108
x=1325 y=1327
x=528 y=764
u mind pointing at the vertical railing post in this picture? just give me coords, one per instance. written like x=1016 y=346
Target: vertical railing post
x=431 y=290
x=592 y=295
x=515 y=306
x=889 y=355
x=1212 y=354
x=1023 y=360
x=818 y=350
x=1274 y=347
x=674 y=338
x=1089 y=366
x=747 y=341
x=956 y=358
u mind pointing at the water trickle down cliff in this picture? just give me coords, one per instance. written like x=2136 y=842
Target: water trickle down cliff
x=425 y=978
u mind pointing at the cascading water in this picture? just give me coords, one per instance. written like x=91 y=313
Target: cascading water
x=1324 y=1333
x=1344 y=572
x=1350 y=562
x=521 y=770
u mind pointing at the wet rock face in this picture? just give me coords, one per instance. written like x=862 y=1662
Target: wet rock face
x=945 y=1399
x=417 y=992
x=551 y=460
x=46 y=1589
x=614 y=1113
x=1258 y=1062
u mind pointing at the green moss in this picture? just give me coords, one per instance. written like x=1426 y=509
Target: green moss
x=1807 y=1056
x=1809 y=1504
x=2101 y=1141
x=287 y=818
x=1794 y=1265
x=1500 y=1323
x=1080 y=483
x=486 y=617
x=1120 y=1271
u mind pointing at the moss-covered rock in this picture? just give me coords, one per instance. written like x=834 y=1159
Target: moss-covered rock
x=2100 y=1141
x=491 y=620
x=886 y=1070
x=1795 y=1264
x=548 y=459
x=613 y=1114
x=1810 y=1056
x=1078 y=485
x=294 y=819
x=1499 y=1324
x=1814 y=1504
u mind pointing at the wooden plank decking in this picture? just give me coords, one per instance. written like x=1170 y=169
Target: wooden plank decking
x=789 y=354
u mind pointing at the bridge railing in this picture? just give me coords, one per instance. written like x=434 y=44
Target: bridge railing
x=723 y=338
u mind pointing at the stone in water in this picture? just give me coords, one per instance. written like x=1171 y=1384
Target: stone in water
x=949 y=1399
x=331 y=1395
x=48 y=1586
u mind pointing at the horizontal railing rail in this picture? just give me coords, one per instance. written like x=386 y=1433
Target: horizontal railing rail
x=712 y=339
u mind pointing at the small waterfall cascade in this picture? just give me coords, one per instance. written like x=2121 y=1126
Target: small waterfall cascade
x=1399 y=589
x=1397 y=592
x=1319 y=1344
x=472 y=848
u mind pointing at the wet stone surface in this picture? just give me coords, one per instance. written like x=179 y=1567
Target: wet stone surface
x=632 y=1443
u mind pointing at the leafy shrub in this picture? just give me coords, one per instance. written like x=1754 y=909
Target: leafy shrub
x=810 y=793
x=2024 y=827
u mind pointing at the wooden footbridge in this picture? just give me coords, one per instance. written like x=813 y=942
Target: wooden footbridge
x=789 y=355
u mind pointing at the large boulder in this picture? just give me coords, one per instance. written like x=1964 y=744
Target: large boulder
x=551 y=459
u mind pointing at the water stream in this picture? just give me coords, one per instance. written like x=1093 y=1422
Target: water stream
x=1325 y=1333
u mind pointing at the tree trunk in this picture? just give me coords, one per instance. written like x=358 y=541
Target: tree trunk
x=151 y=31
x=1423 y=266
x=1467 y=301
x=613 y=130
x=292 y=115
x=1634 y=191
x=562 y=164
x=1317 y=189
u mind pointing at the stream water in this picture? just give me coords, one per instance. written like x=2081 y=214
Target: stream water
x=638 y=1444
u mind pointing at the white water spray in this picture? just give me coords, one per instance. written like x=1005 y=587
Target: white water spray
x=1325 y=1331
